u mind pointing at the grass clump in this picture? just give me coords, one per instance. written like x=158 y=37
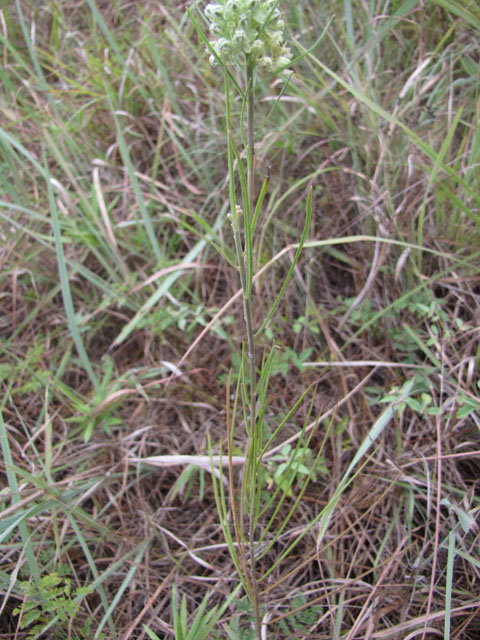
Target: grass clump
x=157 y=478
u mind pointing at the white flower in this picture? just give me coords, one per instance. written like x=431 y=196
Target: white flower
x=253 y=28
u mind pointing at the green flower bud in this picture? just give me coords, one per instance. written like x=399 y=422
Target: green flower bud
x=253 y=28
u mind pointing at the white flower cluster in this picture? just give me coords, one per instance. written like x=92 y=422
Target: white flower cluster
x=251 y=27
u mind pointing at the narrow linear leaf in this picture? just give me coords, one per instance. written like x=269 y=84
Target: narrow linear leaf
x=260 y=202
x=66 y=291
x=449 y=584
x=292 y=266
x=147 y=221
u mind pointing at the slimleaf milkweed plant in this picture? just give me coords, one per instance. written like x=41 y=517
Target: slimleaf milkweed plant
x=248 y=36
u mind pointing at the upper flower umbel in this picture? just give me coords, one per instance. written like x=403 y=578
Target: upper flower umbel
x=251 y=27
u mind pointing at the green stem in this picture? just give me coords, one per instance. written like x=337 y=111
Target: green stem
x=254 y=445
x=249 y=210
x=244 y=253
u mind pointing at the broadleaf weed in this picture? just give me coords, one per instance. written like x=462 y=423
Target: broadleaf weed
x=52 y=604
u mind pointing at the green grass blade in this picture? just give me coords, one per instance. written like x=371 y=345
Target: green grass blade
x=467 y=11
x=418 y=341
x=432 y=180
x=66 y=291
x=222 y=510
x=98 y=579
x=151 y=633
x=147 y=221
x=13 y=486
x=294 y=262
x=142 y=548
x=449 y=584
x=8 y=141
